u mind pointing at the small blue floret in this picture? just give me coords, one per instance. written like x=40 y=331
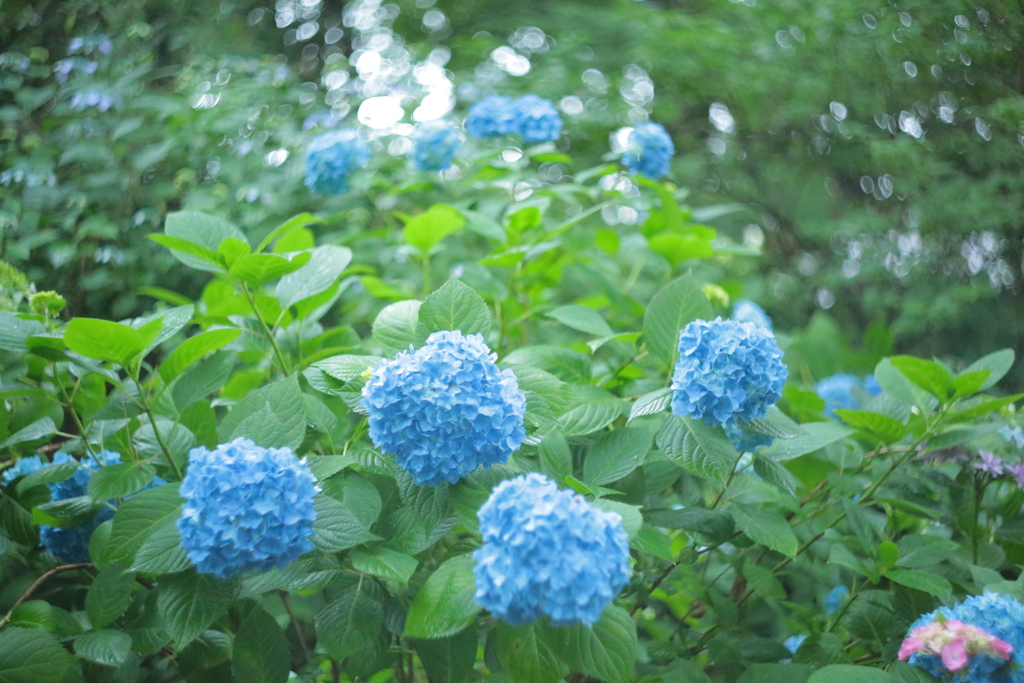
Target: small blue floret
x=746 y=311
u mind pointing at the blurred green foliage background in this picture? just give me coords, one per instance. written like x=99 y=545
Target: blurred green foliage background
x=871 y=149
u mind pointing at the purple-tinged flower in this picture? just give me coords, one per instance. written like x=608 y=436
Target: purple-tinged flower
x=989 y=463
x=1018 y=471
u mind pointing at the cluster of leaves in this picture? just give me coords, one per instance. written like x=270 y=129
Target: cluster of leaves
x=729 y=557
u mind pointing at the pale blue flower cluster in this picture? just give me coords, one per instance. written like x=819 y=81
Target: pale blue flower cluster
x=792 y=644
x=434 y=144
x=840 y=391
x=649 y=150
x=835 y=598
x=331 y=157
x=91 y=98
x=1013 y=435
x=746 y=311
x=727 y=371
x=445 y=409
x=745 y=440
x=997 y=615
x=247 y=508
x=533 y=118
x=548 y=552
x=491 y=117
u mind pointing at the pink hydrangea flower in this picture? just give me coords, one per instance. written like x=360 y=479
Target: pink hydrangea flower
x=953 y=642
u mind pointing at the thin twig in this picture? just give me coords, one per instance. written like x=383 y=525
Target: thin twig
x=295 y=625
x=40 y=581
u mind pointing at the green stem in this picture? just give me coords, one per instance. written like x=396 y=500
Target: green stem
x=266 y=329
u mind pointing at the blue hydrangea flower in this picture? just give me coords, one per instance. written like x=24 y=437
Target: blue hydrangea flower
x=746 y=311
x=548 y=552
x=434 y=144
x=649 y=150
x=247 y=508
x=24 y=467
x=727 y=371
x=331 y=157
x=745 y=440
x=997 y=615
x=491 y=117
x=871 y=385
x=72 y=544
x=840 y=391
x=792 y=644
x=445 y=409
x=835 y=598
x=1013 y=435
x=536 y=119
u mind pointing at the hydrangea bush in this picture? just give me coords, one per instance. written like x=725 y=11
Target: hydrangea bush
x=485 y=432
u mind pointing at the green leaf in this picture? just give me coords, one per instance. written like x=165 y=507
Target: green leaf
x=294 y=223
x=324 y=268
x=104 y=340
x=555 y=456
x=203 y=230
x=337 y=527
x=349 y=622
x=162 y=553
x=776 y=673
x=32 y=656
x=396 y=326
x=698 y=448
x=766 y=527
x=583 y=319
x=258 y=269
x=527 y=656
x=40 y=429
x=445 y=604
x=425 y=230
x=385 y=563
x=888 y=554
x=39 y=614
x=190 y=602
x=347 y=368
x=273 y=416
x=896 y=384
x=455 y=306
x=260 y=653
x=888 y=429
x=105 y=646
x=449 y=660
x=654 y=542
x=932 y=584
x=233 y=249
x=649 y=404
x=51 y=474
x=191 y=254
x=193 y=349
x=970 y=383
x=816 y=436
x=589 y=417
x=763 y=582
x=714 y=523
x=606 y=650
x=998 y=364
x=109 y=595
x=16 y=523
x=926 y=374
x=140 y=517
x=118 y=481
x=615 y=454
x=632 y=520
x=846 y=673
x=673 y=307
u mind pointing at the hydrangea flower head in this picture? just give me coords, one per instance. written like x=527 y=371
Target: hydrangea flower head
x=745 y=440
x=835 y=598
x=491 y=117
x=331 y=157
x=72 y=544
x=24 y=467
x=1013 y=435
x=548 y=552
x=536 y=119
x=727 y=371
x=983 y=637
x=247 y=508
x=989 y=462
x=434 y=144
x=445 y=409
x=746 y=311
x=649 y=150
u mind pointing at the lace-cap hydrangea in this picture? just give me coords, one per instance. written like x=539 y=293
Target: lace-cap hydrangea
x=434 y=144
x=746 y=311
x=247 y=508
x=649 y=150
x=727 y=371
x=980 y=640
x=491 y=117
x=445 y=409
x=331 y=157
x=547 y=552
x=536 y=119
